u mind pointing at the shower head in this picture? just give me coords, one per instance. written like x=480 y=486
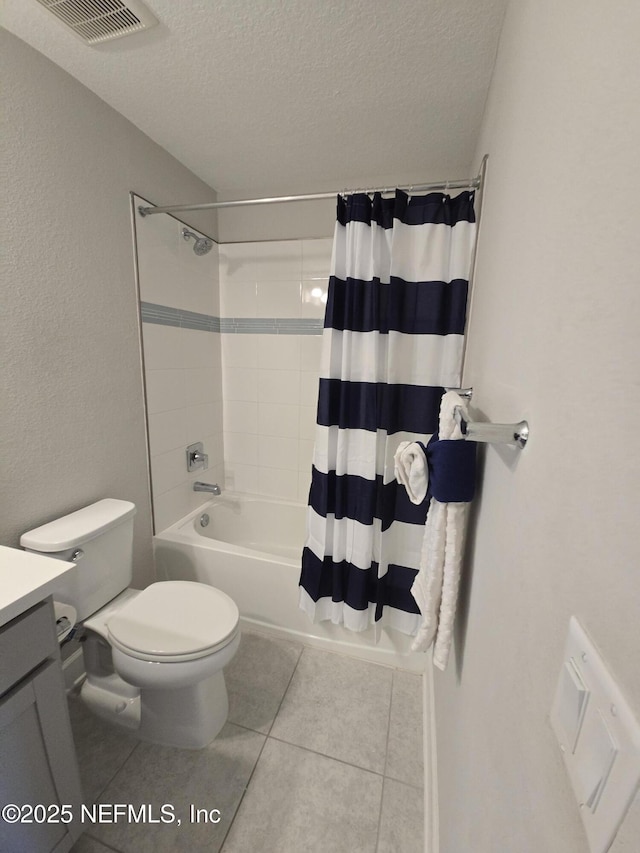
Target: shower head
x=202 y=244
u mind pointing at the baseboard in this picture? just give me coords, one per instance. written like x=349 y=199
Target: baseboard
x=431 y=826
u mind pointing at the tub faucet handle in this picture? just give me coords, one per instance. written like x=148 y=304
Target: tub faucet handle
x=196 y=457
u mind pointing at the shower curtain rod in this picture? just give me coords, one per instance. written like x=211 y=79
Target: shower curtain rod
x=471 y=183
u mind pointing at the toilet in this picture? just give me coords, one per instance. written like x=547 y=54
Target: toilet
x=154 y=658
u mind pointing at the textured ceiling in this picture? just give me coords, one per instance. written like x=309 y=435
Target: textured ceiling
x=263 y=97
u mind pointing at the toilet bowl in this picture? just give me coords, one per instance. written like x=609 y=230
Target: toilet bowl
x=169 y=642
x=154 y=658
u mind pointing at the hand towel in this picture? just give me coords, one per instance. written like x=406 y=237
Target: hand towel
x=411 y=470
x=435 y=587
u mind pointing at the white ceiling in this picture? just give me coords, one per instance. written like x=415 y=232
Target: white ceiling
x=272 y=97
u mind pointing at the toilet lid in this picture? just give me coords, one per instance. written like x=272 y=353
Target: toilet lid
x=174 y=620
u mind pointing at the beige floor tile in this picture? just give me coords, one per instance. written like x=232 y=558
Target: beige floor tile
x=338 y=706
x=257 y=679
x=211 y=778
x=402 y=819
x=101 y=748
x=404 y=751
x=301 y=801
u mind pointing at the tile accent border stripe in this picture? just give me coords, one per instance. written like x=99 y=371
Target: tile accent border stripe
x=163 y=315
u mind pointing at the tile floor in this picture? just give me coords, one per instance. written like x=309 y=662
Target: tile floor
x=321 y=752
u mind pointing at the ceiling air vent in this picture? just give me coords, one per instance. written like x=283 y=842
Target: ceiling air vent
x=95 y=21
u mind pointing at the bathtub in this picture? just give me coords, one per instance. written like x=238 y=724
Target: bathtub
x=250 y=547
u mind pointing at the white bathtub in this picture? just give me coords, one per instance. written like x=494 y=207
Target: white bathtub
x=251 y=549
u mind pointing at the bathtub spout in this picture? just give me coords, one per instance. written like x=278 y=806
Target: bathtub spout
x=214 y=488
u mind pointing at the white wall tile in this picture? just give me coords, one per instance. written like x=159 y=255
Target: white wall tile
x=167 y=430
x=202 y=385
x=240 y=383
x=310 y=350
x=241 y=478
x=278 y=419
x=305 y=455
x=165 y=390
x=278 y=299
x=316 y=257
x=158 y=261
x=241 y=448
x=240 y=416
x=172 y=505
x=215 y=474
x=276 y=260
x=214 y=447
x=278 y=482
x=307 y=422
x=304 y=484
x=313 y=298
x=276 y=452
x=240 y=350
x=199 y=348
x=278 y=351
x=197 y=279
x=199 y=421
x=278 y=371
x=279 y=386
x=183 y=366
x=160 y=281
x=169 y=506
x=308 y=388
x=162 y=346
x=238 y=298
x=168 y=470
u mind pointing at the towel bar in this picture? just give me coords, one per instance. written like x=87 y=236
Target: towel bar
x=487 y=432
x=494 y=433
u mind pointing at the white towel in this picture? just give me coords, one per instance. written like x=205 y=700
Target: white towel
x=410 y=468
x=435 y=587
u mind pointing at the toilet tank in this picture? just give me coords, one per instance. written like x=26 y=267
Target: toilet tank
x=99 y=539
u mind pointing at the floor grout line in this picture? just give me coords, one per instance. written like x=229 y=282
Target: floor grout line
x=266 y=738
x=386 y=757
x=330 y=757
x=286 y=690
x=241 y=800
x=103 y=843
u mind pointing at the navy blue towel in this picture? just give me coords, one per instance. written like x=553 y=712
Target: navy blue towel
x=452 y=469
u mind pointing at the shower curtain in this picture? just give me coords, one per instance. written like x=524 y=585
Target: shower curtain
x=392 y=339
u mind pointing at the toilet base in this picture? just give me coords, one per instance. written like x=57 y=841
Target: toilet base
x=188 y=717
x=113 y=700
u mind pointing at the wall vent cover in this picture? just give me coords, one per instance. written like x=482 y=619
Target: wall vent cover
x=95 y=21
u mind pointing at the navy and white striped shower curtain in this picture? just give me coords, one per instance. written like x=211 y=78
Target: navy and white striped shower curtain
x=393 y=338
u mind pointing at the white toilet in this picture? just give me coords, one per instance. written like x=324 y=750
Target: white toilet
x=153 y=657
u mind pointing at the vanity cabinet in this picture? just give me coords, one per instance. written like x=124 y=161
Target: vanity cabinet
x=38 y=765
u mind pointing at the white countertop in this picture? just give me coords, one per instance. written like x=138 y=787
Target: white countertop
x=26 y=579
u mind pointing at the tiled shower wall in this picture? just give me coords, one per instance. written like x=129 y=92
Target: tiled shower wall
x=179 y=293
x=231 y=348
x=272 y=300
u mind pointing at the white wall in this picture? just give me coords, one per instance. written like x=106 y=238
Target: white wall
x=183 y=375
x=72 y=418
x=553 y=338
x=271 y=380
x=292 y=220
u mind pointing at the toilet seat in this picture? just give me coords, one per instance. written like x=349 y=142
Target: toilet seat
x=174 y=621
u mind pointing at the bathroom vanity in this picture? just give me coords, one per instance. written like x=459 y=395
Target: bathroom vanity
x=38 y=767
